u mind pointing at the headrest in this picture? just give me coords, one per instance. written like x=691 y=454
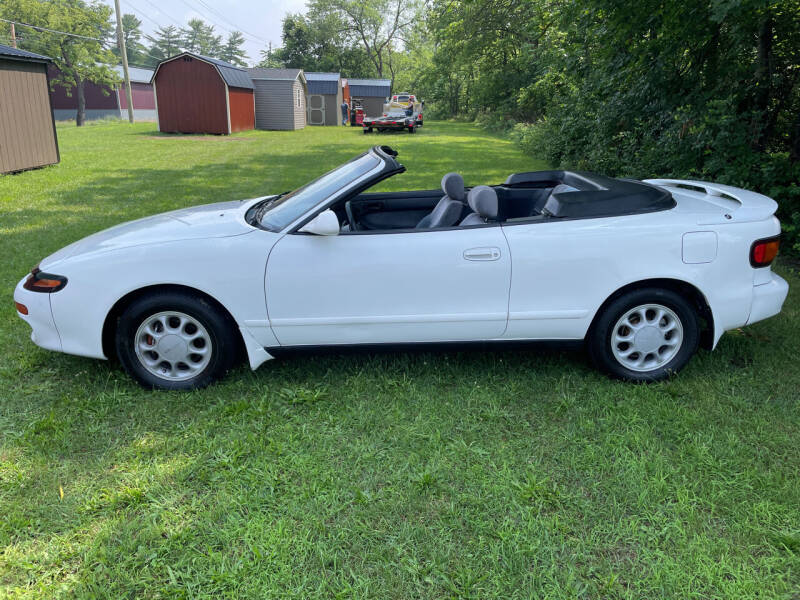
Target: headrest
x=483 y=200
x=453 y=186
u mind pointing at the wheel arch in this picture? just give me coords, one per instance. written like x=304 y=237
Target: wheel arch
x=112 y=317
x=679 y=286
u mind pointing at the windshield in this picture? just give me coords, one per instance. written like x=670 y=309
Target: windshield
x=396 y=113
x=289 y=207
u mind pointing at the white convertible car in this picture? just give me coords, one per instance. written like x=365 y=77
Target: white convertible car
x=642 y=272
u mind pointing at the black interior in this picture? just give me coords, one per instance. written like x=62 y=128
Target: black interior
x=523 y=197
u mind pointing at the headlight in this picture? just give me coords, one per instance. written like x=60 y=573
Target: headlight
x=44 y=282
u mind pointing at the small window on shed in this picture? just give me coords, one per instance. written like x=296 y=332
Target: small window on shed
x=297 y=97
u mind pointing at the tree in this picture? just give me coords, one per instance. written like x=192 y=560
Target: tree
x=232 y=51
x=377 y=25
x=132 y=28
x=165 y=43
x=270 y=58
x=320 y=42
x=200 y=39
x=79 y=59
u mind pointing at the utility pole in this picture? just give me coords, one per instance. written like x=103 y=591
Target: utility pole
x=13 y=36
x=124 y=53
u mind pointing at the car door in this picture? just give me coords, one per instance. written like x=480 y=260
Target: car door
x=393 y=210
x=389 y=287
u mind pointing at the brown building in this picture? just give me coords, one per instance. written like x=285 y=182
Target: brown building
x=27 y=130
x=198 y=94
x=106 y=102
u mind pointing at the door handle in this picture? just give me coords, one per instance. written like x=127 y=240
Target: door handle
x=482 y=253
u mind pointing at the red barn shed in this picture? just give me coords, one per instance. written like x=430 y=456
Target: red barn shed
x=198 y=94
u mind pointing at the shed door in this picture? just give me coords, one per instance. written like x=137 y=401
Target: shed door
x=316 y=109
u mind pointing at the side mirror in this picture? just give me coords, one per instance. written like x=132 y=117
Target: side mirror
x=325 y=223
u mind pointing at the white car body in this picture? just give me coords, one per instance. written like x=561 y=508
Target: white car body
x=506 y=281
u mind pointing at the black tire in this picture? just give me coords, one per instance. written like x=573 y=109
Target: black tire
x=224 y=346
x=365 y=131
x=410 y=130
x=599 y=339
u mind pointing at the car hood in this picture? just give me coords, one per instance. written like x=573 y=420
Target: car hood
x=222 y=219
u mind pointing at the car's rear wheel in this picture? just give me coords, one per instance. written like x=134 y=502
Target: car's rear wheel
x=175 y=341
x=644 y=335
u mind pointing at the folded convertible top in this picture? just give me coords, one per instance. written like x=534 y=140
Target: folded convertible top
x=593 y=195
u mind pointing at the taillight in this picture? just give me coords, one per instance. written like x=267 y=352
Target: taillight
x=44 y=282
x=763 y=252
x=21 y=308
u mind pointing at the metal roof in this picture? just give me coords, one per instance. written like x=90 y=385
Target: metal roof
x=17 y=54
x=370 y=87
x=261 y=73
x=137 y=74
x=312 y=76
x=323 y=83
x=232 y=75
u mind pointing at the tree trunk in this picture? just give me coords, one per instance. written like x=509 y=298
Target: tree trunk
x=763 y=78
x=794 y=140
x=80 y=117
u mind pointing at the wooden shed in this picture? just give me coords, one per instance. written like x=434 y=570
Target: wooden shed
x=372 y=94
x=198 y=94
x=27 y=130
x=324 y=99
x=280 y=98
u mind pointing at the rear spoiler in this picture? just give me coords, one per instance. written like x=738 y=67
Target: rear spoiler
x=739 y=205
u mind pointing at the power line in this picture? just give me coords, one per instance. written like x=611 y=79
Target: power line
x=221 y=16
x=77 y=35
x=211 y=21
x=143 y=15
x=45 y=29
x=173 y=20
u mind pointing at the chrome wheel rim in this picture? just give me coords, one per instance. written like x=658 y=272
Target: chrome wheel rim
x=173 y=345
x=646 y=337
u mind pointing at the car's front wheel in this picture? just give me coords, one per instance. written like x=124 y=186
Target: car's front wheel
x=175 y=341
x=644 y=335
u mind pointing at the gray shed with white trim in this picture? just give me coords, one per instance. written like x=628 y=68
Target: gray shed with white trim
x=280 y=96
x=324 y=98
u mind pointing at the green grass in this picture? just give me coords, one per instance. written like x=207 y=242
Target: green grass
x=512 y=474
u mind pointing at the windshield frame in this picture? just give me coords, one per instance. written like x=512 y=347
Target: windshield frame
x=385 y=167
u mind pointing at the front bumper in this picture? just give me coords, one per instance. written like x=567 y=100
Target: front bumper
x=40 y=317
x=768 y=298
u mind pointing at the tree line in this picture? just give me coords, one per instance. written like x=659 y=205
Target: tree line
x=703 y=90
x=640 y=88
x=198 y=37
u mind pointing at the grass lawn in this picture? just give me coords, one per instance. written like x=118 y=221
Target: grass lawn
x=512 y=474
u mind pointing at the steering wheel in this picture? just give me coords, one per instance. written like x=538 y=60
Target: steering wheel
x=354 y=226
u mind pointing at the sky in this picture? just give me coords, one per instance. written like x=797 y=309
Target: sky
x=258 y=20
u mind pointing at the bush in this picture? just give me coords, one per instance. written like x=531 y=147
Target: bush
x=713 y=148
